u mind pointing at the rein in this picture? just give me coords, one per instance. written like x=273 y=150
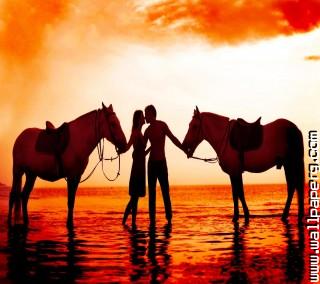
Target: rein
x=207 y=160
x=100 y=149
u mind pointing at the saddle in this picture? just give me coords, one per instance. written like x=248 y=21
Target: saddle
x=54 y=141
x=245 y=136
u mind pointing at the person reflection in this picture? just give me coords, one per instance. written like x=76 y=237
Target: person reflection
x=295 y=253
x=237 y=269
x=138 y=249
x=158 y=253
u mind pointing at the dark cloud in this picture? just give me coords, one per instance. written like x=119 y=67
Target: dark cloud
x=230 y=22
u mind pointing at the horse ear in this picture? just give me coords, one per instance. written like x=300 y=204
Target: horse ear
x=111 y=107
x=103 y=106
x=196 y=112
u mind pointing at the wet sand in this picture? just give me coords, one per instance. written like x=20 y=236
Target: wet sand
x=201 y=246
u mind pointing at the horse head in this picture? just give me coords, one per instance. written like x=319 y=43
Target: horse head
x=111 y=129
x=194 y=135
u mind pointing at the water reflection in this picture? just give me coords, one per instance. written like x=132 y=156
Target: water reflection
x=295 y=252
x=158 y=253
x=138 y=248
x=44 y=260
x=237 y=267
x=200 y=249
x=75 y=254
x=18 y=263
x=238 y=273
x=149 y=255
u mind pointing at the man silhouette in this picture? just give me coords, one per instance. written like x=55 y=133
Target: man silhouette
x=157 y=165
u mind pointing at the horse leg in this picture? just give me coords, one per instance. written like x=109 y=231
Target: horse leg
x=299 y=184
x=28 y=186
x=72 y=189
x=242 y=199
x=290 y=189
x=234 y=184
x=300 y=191
x=14 y=198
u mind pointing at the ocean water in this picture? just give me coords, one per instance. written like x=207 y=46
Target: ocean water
x=202 y=245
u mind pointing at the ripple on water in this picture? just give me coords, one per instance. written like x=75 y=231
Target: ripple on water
x=202 y=245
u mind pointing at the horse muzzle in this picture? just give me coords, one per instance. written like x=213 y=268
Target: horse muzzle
x=189 y=150
x=121 y=148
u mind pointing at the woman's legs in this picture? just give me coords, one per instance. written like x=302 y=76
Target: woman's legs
x=134 y=208
x=131 y=208
x=127 y=211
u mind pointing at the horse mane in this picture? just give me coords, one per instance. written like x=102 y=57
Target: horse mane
x=215 y=116
x=85 y=115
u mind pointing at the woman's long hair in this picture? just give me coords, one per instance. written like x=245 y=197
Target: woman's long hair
x=136 y=117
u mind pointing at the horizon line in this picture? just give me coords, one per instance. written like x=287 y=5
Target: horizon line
x=172 y=185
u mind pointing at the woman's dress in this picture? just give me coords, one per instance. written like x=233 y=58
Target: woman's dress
x=137 y=183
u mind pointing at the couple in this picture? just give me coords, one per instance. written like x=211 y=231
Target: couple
x=157 y=165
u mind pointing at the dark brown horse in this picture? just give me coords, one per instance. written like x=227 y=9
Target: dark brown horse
x=281 y=145
x=84 y=134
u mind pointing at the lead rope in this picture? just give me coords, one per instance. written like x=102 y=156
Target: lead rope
x=109 y=159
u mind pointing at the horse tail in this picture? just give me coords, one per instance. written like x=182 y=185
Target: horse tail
x=296 y=154
x=15 y=194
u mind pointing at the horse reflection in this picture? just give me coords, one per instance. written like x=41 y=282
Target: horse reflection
x=74 y=256
x=238 y=273
x=41 y=261
x=19 y=262
x=295 y=253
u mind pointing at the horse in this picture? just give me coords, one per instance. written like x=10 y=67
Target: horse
x=281 y=145
x=85 y=132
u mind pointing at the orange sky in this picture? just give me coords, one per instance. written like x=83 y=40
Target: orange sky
x=60 y=59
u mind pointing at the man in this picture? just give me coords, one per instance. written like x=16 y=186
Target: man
x=157 y=166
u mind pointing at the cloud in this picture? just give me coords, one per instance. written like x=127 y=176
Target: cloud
x=24 y=25
x=36 y=33
x=232 y=22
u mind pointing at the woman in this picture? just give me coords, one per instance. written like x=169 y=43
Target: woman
x=137 y=184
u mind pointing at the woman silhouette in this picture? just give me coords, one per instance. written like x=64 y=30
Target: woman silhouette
x=137 y=184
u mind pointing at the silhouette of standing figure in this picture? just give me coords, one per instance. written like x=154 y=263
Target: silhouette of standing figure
x=137 y=183
x=157 y=164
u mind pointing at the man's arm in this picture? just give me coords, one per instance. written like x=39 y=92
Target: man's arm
x=174 y=139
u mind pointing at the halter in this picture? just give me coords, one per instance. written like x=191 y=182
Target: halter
x=100 y=149
x=210 y=160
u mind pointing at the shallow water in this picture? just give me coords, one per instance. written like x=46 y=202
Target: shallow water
x=201 y=246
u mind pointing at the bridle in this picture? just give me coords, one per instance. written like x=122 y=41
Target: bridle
x=199 y=135
x=100 y=149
